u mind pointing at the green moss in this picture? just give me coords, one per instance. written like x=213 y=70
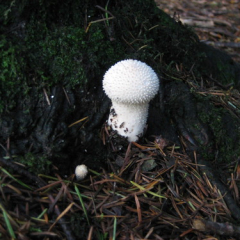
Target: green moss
x=225 y=133
x=12 y=74
x=36 y=163
x=70 y=56
x=57 y=57
x=67 y=56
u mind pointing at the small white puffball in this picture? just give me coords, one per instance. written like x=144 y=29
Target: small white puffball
x=130 y=84
x=81 y=171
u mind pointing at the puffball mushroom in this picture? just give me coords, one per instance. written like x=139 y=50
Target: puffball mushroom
x=81 y=172
x=130 y=84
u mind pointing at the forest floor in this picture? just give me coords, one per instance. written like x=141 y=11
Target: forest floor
x=216 y=23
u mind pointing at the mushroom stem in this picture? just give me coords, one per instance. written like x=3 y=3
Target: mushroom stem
x=128 y=120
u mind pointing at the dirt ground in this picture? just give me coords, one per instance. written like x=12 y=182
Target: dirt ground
x=217 y=23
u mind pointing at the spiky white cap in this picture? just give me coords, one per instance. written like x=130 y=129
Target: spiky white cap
x=130 y=81
x=81 y=172
x=130 y=84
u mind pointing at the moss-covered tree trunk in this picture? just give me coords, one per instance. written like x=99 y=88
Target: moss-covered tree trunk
x=53 y=55
x=53 y=58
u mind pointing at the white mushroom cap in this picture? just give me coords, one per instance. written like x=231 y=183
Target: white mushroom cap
x=131 y=81
x=130 y=84
x=81 y=172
